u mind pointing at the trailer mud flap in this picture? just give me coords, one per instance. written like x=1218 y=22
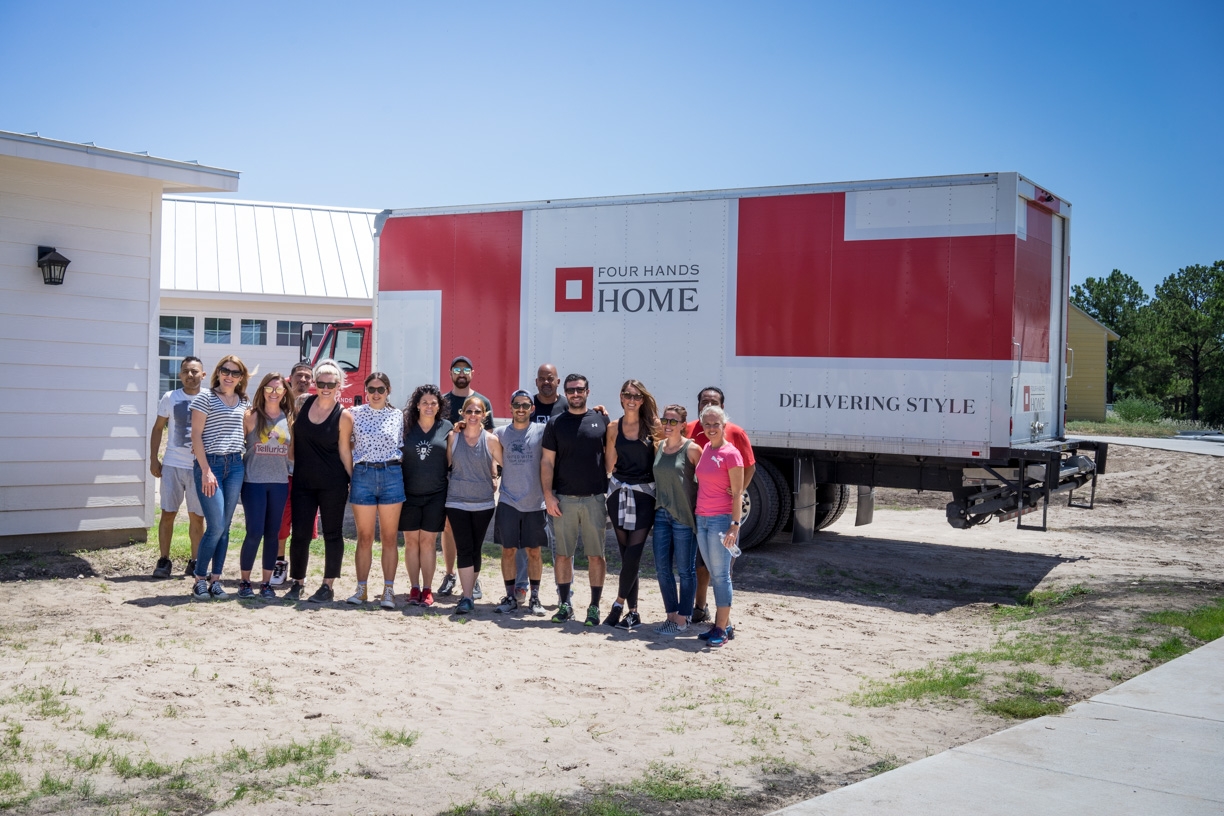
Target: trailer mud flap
x=804 y=529
x=866 y=506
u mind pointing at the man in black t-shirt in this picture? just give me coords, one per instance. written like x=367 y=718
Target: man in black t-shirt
x=575 y=480
x=461 y=389
x=548 y=402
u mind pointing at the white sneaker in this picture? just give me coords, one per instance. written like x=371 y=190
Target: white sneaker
x=388 y=599
x=279 y=572
x=358 y=597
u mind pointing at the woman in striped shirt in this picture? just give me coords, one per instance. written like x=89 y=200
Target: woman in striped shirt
x=218 y=442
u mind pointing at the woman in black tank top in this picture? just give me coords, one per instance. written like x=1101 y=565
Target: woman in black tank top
x=629 y=452
x=322 y=467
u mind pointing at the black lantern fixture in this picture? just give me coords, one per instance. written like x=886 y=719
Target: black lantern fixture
x=52 y=265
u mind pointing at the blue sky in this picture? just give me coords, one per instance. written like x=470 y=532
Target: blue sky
x=1115 y=106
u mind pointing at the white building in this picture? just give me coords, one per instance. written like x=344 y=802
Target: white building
x=241 y=277
x=77 y=360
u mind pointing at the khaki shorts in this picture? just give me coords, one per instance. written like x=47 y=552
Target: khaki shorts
x=581 y=515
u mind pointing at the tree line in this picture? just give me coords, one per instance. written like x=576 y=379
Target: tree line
x=1172 y=343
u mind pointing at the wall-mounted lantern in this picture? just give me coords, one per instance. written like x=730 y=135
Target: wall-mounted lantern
x=52 y=265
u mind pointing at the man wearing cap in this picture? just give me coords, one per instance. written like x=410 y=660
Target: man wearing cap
x=461 y=382
x=519 y=524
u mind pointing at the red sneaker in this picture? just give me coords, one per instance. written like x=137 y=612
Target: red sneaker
x=426 y=597
x=414 y=597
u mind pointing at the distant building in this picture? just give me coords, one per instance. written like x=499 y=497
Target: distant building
x=77 y=359
x=1088 y=341
x=241 y=277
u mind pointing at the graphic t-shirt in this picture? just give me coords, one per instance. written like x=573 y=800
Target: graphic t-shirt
x=578 y=441
x=425 y=467
x=714 y=479
x=542 y=412
x=176 y=407
x=521 y=452
x=267 y=456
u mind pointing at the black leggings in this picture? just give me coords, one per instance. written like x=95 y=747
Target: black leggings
x=329 y=504
x=469 y=527
x=631 y=543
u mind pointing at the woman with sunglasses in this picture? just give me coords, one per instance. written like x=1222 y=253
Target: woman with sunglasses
x=378 y=481
x=629 y=454
x=322 y=468
x=218 y=443
x=423 y=514
x=720 y=483
x=675 y=527
x=474 y=455
x=265 y=488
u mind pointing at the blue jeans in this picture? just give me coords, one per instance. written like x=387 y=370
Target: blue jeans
x=263 y=504
x=218 y=510
x=717 y=557
x=675 y=544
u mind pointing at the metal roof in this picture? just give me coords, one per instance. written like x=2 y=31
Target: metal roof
x=265 y=248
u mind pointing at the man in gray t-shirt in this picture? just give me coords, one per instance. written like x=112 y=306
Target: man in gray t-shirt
x=520 y=507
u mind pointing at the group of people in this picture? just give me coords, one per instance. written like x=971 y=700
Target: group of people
x=554 y=476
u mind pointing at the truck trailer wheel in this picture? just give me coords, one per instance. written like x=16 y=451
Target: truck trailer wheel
x=831 y=502
x=760 y=510
x=786 y=499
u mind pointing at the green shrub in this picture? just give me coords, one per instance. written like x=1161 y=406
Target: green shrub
x=1134 y=409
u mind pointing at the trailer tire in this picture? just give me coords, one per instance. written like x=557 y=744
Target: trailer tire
x=760 y=511
x=831 y=502
x=786 y=499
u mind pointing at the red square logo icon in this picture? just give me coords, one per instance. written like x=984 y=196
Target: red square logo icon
x=575 y=288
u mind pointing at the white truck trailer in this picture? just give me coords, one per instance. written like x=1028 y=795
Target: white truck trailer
x=899 y=333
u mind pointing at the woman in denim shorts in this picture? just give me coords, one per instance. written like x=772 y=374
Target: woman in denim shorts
x=720 y=483
x=378 y=480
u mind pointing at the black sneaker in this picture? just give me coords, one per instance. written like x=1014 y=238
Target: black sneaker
x=465 y=607
x=323 y=594
x=728 y=634
x=592 y=618
x=614 y=616
x=448 y=585
x=629 y=621
x=565 y=612
x=701 y=614
x=163 y=568
x=200 y=590
x=295 y=592
x=507 y=604
x=266 y=592
x=190 y=569
x=245 y=590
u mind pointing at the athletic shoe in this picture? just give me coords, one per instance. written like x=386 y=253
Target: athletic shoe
x=729 y=634
x=245 y=590
x=266 y=592
x=614 y=616
x=701 y=614
x=324 y=594
x=190 y=568
x=427 y=598
x=163 y=569
x=295 y=591
x=717 y=637
x=216 y=591
x=388 y=598
x=667 y=627
x=535 y=607
x=414 y=597
x=359 y=597
x=629 y=621
x=592 y=616
x=279 y=572
x=507 y=605
x=477 y=592
x=466 y=606
x=448 y=585
x=200 y=590
x=520 y=595
x=565 y=612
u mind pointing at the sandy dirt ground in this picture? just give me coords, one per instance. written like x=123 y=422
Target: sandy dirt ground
x=119 y=694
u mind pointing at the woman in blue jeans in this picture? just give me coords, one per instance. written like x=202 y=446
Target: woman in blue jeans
x=720 y=481
x=675 y=527
x=265 y=488
x=218 y=442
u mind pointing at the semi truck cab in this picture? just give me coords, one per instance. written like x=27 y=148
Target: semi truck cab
x=349 y=344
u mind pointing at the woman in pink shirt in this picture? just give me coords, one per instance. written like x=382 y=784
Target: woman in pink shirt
x=720 y=482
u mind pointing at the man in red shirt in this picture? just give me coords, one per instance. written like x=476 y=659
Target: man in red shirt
x=713 y=395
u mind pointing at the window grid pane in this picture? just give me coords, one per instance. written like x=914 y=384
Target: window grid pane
x=217 y=330
x=288 y=332
x=168 y=375
x=254 y=332
x=176 y=336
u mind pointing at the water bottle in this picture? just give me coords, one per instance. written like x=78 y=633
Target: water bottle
x=735 y=551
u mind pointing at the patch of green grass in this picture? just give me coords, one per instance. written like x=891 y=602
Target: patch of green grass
x=1024 y=707
x=674 y=783
x=51 y=786
x=953 y=681
x=145 y=769
x=1205 y=623
x=604 y=806
x=313 y=757
x=10 y=745
x=9 y=781
x=886 y=763
x=1039 y=601
x=1082 y=649
x=93 y=636
x=106 y=730
x=400 y=737
x=1167 y=650
x=88 y=761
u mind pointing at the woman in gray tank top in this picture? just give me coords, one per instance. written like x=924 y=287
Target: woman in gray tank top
x=675 y=528
x=473 y=454
x=265 y=487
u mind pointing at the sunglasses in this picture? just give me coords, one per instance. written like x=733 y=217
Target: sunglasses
x=274 y=389
x=625 y=395
x=575 y=390
x=458 y=370
x=228 y=372
x=376 y=389
x=522 y=406
x=669 y=422
x=323 y=385
x=473 y=411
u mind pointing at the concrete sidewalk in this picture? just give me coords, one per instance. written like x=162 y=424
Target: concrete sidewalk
x=1208 y=445
x=1153 y=745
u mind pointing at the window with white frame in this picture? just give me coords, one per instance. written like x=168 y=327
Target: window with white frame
x=254 y=332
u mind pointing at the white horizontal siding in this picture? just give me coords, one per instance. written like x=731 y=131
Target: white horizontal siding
x=87 y=519
x=73 y=426
x=69 y=497
x=24 y=474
